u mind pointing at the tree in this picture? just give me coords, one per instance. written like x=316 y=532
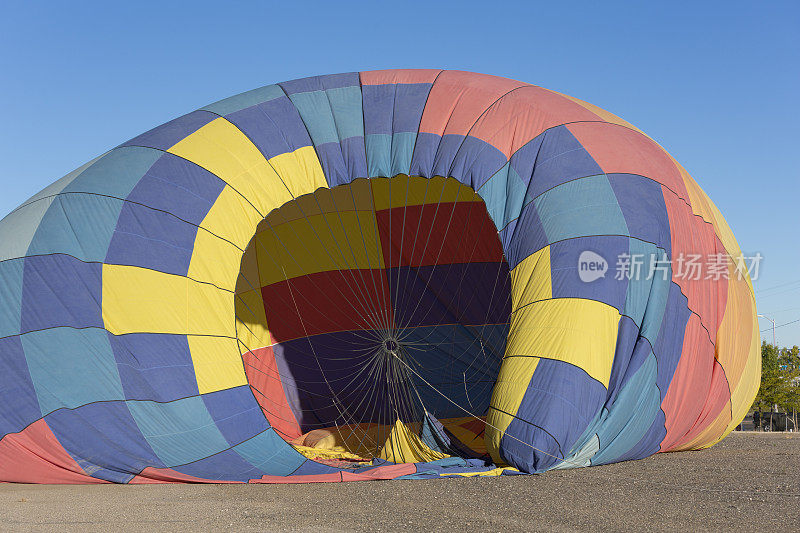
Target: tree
x=780 y=380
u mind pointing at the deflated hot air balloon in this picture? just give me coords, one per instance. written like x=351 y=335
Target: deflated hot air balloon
x=374 y=275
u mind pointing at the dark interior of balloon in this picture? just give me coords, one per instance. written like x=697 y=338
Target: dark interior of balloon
x=382 y=310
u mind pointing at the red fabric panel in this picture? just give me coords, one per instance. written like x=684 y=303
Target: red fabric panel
x=428 y=239
x=525 y=113
x=380 y=77
x=618 y=149
x=458 y=98
x=716 y=402
x=691 y=235
x=265 y=381
x=34 y=455
x=697 y=387
x=380 y=472
x=326 y=302
x=150 y=476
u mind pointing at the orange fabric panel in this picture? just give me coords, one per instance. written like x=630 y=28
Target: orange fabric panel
x=692 y=236
x=618 y=149
x=458 y=98
x=532 y=111
x=689 y=389
x=380 y=77
x=54 y=464
x=265 y=382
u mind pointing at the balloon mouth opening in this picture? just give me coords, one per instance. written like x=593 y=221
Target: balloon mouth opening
x=372 y=319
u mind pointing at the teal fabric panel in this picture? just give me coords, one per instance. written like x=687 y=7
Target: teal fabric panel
x=116 y=173
x=179 y=432
x=18 y=228
x=11 y=300
x=631 y=415
x=269 y=453
x=582 y=207
x=640 y=281
x=315 y=110
x=80 y=225
x=82 y=370
x=245 y=100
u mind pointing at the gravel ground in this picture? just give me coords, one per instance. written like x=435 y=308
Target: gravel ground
x=750 y=480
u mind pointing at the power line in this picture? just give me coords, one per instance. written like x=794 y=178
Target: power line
x=781 y=325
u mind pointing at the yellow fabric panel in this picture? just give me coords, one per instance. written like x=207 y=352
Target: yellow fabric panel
x=222 y=149
x=733 y=340
x=488 y=473
x=141 y=300
x=530 y=279
x=251 y=322
x=744 y=392
x=404 y=446
x=509 y=389
x=248 y=278
x=336 y=452
x=232 y=218
x=300 y=171
x=318 y=243
x=217 y=363
x=577 y=331
x=215 y=261
x=403 y=190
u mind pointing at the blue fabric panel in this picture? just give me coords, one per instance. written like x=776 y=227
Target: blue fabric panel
x=564 y=270
x=18 y=228
x=642 y=204
x=422 y=160
x=311 y=468
x=116 y=173
x=581 y=207
x=11 y=302
x=650 y=443
x=152 y=239
x=59 y=290
x=79 y=225
x=81 y=370
x=270 y=453
x=244 y=100
x=104 y=440
x=563 y=400
x=179 y=432
x=473 y=162
x=669 y=345
x=236 y=413
x=275 y=127
x=631 y=416
x=154 y=366
x=19 y=405
x=321 y=83
x=471 y=359
x=394 y=108
x=462 y=293
x=165 y=136
x=631 y=352
x=226 y=465
x=338 y=169
x=173 y=177
x=317 y=115
x=522 y=237
x=560 y=159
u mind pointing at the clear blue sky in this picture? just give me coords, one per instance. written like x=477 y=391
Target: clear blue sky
x=716 y=83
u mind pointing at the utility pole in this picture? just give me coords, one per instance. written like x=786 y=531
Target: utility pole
x=773 y=328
